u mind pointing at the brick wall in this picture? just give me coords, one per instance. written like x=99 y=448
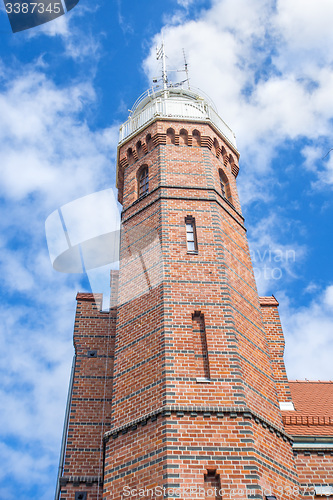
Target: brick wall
x=94 y=334
x=165 y=417
x=276 y=344
x=314 y=469
x=175 y=450
x=192 y=357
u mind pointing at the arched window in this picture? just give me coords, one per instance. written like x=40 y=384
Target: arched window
x=224 y=185
x=224 y=155
x=139 y=149
x=196 y=138
x=149 y=142
x=143 y=181
x=183 y=136
x=170 y=138
x=130 y=156
x=216 y=148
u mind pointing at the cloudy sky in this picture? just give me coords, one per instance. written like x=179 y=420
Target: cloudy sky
x=64 y=89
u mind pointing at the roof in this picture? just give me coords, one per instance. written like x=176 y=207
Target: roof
x=313 y=415
x=268 y=301
x=175 y=103
x=90 y=297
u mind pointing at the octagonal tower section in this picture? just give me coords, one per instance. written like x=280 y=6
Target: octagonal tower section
x=195 y=403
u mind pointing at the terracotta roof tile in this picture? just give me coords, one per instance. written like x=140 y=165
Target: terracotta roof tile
x=89 y=296
x=313 y=415
x=268 y=301
x=312 y=398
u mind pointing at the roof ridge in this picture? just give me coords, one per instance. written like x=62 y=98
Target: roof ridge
x=306 y=381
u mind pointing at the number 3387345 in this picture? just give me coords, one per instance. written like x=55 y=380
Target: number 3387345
x=30 y=8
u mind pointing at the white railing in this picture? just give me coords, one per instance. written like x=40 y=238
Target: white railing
x=165 y=107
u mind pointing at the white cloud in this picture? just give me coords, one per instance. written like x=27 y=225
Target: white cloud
x=49 y=156
x=274 y=263
x=79 y=44
x=308 y=333
x=328 y=296
x=306 y=25
x=54 y=152
x=267 y=70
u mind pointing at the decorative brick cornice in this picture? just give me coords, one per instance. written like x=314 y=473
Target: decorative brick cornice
x=193 y=411
x=306 y=420
x=235 y=169
x=77 y=480
x=160 y=138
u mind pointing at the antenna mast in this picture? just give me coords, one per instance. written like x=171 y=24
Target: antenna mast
x=186 y=69
x=160 y=54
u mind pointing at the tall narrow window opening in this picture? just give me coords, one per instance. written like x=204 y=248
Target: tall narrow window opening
x=143 y=184
x=200 y=345
x=170 y=136
x=196 y=138
x=191 y=236
x=183 y=137
x=212 y=486
x=222 y=187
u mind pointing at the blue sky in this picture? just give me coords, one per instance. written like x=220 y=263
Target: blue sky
x=65 y=87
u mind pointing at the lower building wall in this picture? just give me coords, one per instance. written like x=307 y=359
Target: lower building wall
x=90 y=409
x=81 y=490
x=135 y=459
x=315 y=468
x=182 y=454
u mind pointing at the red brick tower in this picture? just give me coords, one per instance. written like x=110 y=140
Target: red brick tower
x=196 y=382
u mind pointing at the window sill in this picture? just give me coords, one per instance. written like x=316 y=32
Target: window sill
x=203 y=380
x=192 y=252
x=143 y=196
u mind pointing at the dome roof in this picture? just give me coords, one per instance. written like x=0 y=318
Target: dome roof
x=177 y=103
x=176 y=94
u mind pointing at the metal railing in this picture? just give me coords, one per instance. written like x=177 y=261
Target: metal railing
x=176 y=106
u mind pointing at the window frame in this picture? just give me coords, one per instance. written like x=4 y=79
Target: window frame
x=190 y=221
x=223 y=187
x=143 y=181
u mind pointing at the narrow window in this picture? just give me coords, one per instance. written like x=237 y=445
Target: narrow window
x=149 y=142
x=224 y=155
x=139 y=150
x=130 y=156
x=183 y=137
x=143 y=182
x=216 y=148
x=222 y=186
x=212 y=486
x=191 y=236
x=196 y=138
x=170 y=136
x=200 y=345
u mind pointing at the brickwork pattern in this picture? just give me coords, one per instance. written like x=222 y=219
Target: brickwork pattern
x=94 y=335
x=186 y=372
x=177 y=450
x=155 y=355
x=276 y=344
x=314 y=469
